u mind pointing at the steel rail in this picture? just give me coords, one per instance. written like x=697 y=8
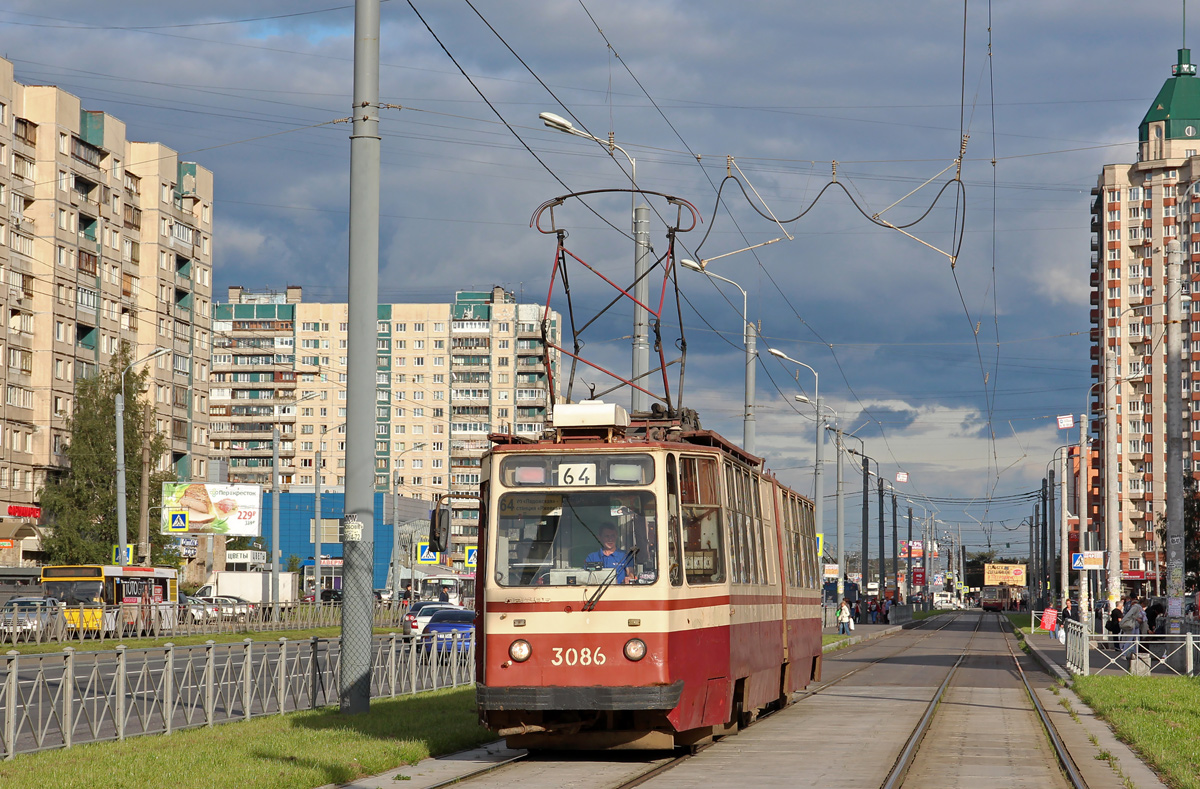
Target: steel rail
x=1060 y=750
x=909 y=751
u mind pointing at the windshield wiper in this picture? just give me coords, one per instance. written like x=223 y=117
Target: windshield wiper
x=590 y=605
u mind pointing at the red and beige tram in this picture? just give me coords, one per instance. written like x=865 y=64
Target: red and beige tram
x=704 y=611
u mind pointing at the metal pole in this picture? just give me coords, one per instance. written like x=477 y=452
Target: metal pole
x=962 y=563
x=354 y=681
x=866 y=525
x=1112 y=518
x=748 y=418
x=1175 y=456
x=818 y=472
x=641 y=293
x=882 y=553
x=841 y=521
x=317 y=535
x=122 y=530
x=276 y=554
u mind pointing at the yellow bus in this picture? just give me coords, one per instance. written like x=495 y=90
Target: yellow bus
x=114 y=600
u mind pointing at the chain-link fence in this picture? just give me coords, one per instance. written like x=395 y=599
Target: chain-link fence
x=65 y=698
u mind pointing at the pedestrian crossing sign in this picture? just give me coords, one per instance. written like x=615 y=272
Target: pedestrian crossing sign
x=472 y=557
x=179 y=522
x=1077 y=561
x=426 y=556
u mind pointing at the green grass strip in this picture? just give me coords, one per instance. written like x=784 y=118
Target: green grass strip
x=300 y=750
x=94 y=645
x=1159 y=717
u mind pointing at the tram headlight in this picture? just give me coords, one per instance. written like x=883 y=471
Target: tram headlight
x=520 y=650
x=635 y=649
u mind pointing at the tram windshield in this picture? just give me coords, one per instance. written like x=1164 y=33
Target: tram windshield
x=576 y=538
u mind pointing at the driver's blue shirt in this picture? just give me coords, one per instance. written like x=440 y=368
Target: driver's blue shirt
x=615 y=559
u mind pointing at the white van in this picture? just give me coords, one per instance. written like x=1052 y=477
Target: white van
x=943 y=600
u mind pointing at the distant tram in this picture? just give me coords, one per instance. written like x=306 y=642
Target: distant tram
x=999 y=598
x=643 y=586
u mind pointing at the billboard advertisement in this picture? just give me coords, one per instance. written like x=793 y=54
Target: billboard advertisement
x=1007 y=574
x=200 y=508
x=918 y=549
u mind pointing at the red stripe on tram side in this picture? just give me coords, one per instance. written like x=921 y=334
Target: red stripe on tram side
x=606 y=604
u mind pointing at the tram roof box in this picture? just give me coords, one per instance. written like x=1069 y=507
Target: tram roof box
x=590 y=414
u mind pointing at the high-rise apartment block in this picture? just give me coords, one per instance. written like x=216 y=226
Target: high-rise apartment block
x=103 y=241
x=446 y=375
x=1137 y=210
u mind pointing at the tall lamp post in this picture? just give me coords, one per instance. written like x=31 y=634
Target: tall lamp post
x=818 y=491
x=640 y=401
x=866 y=507
x=122 y=525
x=748 y=340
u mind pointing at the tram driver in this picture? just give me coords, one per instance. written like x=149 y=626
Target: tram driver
x=608 y=556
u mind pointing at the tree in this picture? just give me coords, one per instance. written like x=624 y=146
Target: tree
x=293 y=563
x=79 y=501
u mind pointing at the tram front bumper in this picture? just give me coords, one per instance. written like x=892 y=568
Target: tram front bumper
x=597 y=697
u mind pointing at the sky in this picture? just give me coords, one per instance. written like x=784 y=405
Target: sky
x=949 y=351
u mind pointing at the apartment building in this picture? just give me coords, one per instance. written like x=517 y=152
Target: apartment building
x=1137 y=209
x=446 y=375
x=103 y=241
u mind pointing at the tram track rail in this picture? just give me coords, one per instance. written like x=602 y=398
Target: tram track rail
x=908 y=752
x=912 y=746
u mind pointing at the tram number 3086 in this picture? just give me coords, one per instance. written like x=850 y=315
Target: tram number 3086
x=578 y=657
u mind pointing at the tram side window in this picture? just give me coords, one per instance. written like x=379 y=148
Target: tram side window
x=703 y=554
x=756 y=515
x=795 y=536
x=810 y=539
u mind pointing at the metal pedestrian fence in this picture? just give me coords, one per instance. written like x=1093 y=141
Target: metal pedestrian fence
x=111 y=623
x=1133 y=654
x=61 y=699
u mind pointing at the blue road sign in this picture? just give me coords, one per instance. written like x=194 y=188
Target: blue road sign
x=1077 y=561
x=179 y=522
x=472 y=557
x=426 y=556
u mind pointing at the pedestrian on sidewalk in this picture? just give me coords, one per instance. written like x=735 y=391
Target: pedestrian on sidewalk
x=1133 y=624
x=1113 y=626
x=1068 y=613
x=843 y=618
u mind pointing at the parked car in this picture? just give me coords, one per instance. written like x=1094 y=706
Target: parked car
x=331 y=595
x=30 y=617
x=197 y=611
x=232 y=608
x=439 y=634
x=419 y=614
x=383 y=594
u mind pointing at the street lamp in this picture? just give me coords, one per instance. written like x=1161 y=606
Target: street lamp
x=818 y=489
x=640 y=400
x=122 y=535
x=396 y=525
x=748 y=341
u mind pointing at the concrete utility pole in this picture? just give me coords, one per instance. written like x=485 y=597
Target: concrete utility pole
x=317 y=534
x=1112 y=518
x=276 y=554
x=748 y=427
x=908 y=579
x=1043 y=548
x=841 y=521
x=895 y=552
x=640 y=401
x=1064 y=564
x=144 y=488
x=1050 y=532
x=358 y=603
x=1175 y=463
x=882 y=553
x=1081 y=496
x=866 y=528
